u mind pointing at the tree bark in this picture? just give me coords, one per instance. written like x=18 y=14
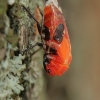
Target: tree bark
x=21 y=76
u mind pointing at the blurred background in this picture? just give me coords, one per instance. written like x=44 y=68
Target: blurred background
x=82 y=80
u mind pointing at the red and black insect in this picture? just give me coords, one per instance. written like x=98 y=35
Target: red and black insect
x=55 y=40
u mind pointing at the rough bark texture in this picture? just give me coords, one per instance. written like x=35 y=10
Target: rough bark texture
x=21 y=76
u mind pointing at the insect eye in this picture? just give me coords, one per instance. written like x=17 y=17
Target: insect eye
x=58 y=35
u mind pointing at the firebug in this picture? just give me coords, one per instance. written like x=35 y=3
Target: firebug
x=54 y=40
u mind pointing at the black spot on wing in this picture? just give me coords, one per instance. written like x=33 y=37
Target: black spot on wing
x=58 y=35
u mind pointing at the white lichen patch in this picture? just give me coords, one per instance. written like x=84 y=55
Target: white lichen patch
x=10 y=76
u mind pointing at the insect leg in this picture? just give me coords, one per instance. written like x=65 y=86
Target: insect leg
x=40 y=10
x=37 y=44
x=38 y=24
x=36 y=51
x=39 y=29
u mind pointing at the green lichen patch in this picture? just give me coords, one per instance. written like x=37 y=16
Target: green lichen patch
x=3 y=6
x=12 y=38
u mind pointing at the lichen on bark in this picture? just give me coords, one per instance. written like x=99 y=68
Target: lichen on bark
x=21 y=76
